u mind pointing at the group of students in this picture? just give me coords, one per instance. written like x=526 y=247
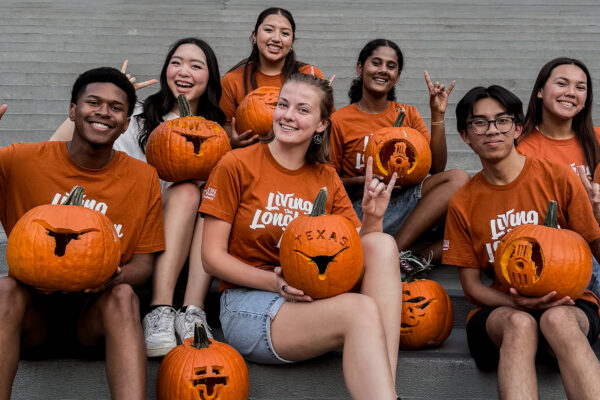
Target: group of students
x=227 y=227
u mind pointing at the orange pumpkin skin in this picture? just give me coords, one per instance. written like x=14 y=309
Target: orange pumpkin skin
x=321 y=255
x=186 y=148
x=217 y=372
x=90 y=257
x=536 y=259
x=427 y=315
x=255 y=111
x=402 y=150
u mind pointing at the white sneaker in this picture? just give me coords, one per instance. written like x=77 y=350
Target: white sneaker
x=159 y=334
x=186 y=321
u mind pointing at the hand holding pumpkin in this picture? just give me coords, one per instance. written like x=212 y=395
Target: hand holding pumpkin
x=539 y=303
x=132 y=79
x=593 y=191
x=438 y=95
x=3 y=109
x=110 y=282
x=288 y=292
x=241 y=140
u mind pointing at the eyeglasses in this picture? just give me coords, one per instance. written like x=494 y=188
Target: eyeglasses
x=480 y=126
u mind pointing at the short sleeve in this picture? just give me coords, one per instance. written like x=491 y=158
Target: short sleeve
x=222 y=193
x=458 y=247
x=415 y=121
x=579 y=209
x=6 y=157
x=336 y=144
x=227 y=102
x=152 y=237
x=310 y=70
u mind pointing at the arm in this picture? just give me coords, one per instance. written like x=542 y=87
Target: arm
x=219 y=263
x=135 y=273
x=438 y=100
x=3 y=108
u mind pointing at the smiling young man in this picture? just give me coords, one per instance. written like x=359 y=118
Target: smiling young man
x=508 y=329
x=122 y=188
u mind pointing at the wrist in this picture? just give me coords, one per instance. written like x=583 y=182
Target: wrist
x=437 y=116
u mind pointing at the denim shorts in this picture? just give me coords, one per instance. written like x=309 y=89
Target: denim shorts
x=246 y=316
x=402 y=203
x=594 y=285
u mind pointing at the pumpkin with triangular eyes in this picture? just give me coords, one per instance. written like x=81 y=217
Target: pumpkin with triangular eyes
x=321 y=254
x=427 y=314
x=186 y=148
x=255 y=111
x=202 y=369
x=63 y=247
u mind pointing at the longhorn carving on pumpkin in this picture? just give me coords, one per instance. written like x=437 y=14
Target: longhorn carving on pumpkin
x=321 y=262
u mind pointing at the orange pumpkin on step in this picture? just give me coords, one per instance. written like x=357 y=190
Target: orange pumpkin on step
x=255 y=111
x=321 y=254
x=202 y=369
x=63 y=247
x=402 y=150
x=187 y=147
x=537 y=259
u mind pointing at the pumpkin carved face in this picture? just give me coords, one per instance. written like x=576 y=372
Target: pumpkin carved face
x=202 y=369
x=321 y=254
x=63 y=247
x=537 y=259
x=187 y=147
x=427 y=315
x=255 y=111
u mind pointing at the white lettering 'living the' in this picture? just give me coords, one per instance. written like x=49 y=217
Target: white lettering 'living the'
x=278 y=200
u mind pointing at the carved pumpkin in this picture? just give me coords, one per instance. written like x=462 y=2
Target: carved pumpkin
x=63 y=247
x=255 y=111
x=321 y=254
x=537 y=259
x=187 y=147
x=402 y=150
x=202 y=369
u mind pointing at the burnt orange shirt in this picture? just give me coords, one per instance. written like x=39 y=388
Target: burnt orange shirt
x=351 y=128
x=126 y=190
x=250 y=190
x=564 y=151
x=233 y=87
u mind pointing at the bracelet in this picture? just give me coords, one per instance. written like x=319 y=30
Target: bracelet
x=437 y=123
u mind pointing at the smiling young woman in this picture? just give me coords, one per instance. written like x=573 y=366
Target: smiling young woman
x=270 y=63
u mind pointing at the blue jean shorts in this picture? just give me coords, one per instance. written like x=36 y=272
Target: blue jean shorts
x=402 y=203
x=246 y=316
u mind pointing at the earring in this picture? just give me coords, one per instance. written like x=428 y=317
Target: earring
x=317 y=138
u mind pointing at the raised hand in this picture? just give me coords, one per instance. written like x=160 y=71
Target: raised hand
x=438 y=95
x=539 y=303
x=3 y=109
x=593 y=191
x=132 y=79
x=376 y=195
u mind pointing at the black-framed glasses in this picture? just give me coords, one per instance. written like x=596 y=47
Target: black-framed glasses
x=480 y=126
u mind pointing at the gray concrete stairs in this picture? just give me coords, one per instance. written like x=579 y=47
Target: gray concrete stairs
x=45 y=44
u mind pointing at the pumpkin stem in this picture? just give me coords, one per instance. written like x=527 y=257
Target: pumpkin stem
x=75 y=198
x=200 y=337
x=319 y=204
x=551 y=219
x=416 y=266
x=184 y=106
x=400 y=118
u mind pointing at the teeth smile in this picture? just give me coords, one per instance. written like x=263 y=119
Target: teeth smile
x=100 y=125
x=287 y=127
x=566 y=103
x=184 y=85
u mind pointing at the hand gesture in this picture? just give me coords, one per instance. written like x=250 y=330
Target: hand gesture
x=132 y=79
x=376 y=195
x=539 y=303
x=110 y=282
x=593 y=191
x=242 y=139
x=3 y=109
x=288 y=292
x=438 y=95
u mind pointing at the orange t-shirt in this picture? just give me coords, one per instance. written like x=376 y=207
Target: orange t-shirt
x=126 y=190
x=480 y=213
x=351 y=128
x=563 y=151
x=250 y=190
x=233 y=87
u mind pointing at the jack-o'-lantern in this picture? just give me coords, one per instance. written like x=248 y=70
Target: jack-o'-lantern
x=63 y=247
x=538 y=259
x=402 y=150
x=202 y=369
x=321 y=254
x=187 y=147
x=255 y=111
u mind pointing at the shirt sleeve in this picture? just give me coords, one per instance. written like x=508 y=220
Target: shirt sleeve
x=580 y=215
x=227 y=102
x=152 y=237
x=415 y=121
x=336 y=144
x=458 y=247
x=221 y=195
x=6 y=157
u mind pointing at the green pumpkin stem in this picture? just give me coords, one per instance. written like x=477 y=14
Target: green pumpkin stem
x=200 y=337
x=551 y=219
x=75 y=198
x=400 y=119
x=184 y=106
x=319 y=204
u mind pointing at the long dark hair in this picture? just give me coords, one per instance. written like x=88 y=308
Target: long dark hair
x=356 y=87
x=581 y=123
x=250 y=64
x=316 y=153
x=161 y=102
